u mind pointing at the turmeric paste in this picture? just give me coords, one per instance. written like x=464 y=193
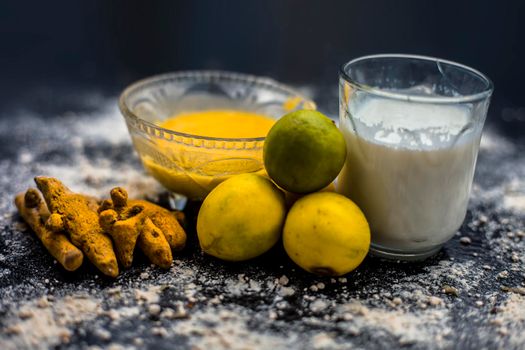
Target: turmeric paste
x=73 y=213
x=34 y=211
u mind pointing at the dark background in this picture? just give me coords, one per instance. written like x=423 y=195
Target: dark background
x=51 y=50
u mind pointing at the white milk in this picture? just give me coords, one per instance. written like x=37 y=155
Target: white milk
x=410 y=170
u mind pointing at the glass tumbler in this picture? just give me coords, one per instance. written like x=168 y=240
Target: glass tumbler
x=412 y=125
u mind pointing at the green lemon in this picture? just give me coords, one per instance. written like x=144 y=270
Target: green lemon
x=304 y=151
x=241 y=218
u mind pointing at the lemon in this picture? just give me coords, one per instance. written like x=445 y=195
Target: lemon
x=292 y=197
x=304 y=151
x=326 y=233
x=241 y=218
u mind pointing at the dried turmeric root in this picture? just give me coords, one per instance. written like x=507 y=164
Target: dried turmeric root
x=128 y=222
x=154 y=245
x=34 y=211
x=123 y=233
x=74 y=214
x=165 y=220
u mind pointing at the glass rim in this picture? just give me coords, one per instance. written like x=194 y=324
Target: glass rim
x=486 y=93
x=203 y=75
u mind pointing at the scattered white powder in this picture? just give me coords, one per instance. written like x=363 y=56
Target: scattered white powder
x=286 y=291
x=102 y=178
x=509 y=192
x=107 y=125
x=426 y=327
x=318 y=305
x=324 y=340
x=510 y=320
x=95 y=176
x=514 y=195
x=124 y=312
x=454 y=273
x=493 y=143
x=228 y=329
x=42 y=325
x=515 y=202
x=149 y=295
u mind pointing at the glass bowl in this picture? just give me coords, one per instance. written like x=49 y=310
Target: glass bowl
x=193 y=165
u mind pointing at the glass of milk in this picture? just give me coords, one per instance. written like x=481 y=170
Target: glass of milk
x=412 y=126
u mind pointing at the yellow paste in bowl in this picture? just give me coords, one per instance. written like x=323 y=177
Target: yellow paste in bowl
x=195 y=169
x=220 y=124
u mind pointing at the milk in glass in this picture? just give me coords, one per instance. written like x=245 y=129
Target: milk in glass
x=409 y=168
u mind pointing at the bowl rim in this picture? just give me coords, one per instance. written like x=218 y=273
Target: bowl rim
x=204 y=75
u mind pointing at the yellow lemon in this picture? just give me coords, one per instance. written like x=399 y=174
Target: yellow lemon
x=326 y=233
x=292 y=197
x=241 y=218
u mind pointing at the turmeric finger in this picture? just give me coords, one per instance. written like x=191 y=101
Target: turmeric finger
x=119 y=196
x=32 y=199
x=154 y=245
x=105 y=205
x=93 y=203
x=181 y=217
x=129 y=212
x=165 y=221
x=107 y=218
x=124 y=233
x=155 y=229
x=55 y=223
x=81 y=223
x=34 y=212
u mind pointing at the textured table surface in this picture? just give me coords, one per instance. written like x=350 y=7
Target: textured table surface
x=470 y=296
